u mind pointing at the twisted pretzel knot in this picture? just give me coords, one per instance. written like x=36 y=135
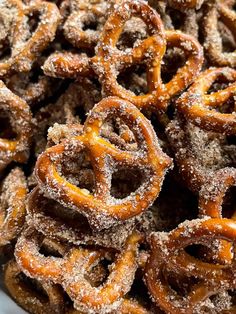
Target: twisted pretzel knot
x=201 y=108
x=13 y=197
x=109 y=60
x=167 y=253
x=27 y=297
x=70 y=271
x=25 y=47
x=224 y=12
x=106 y=158
x=16 y=149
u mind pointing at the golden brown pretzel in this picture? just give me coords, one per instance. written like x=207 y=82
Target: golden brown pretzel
x=110 y=61
x=83 y=25
x=26 y=47
x=70 y=271
x=13 y=207
x=211 y=199
x=68 y=65
x=106 y=157
x=201 y=108
x=15 y=147
x=168 y=254
x=223 y=11
x=28 y=297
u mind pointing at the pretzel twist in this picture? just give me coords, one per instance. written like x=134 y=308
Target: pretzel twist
x=110 y=61
x=201 y=108
x=26 y=47
x=70 y=271
x=105 y=157
x=167 y=253
x=16 y=149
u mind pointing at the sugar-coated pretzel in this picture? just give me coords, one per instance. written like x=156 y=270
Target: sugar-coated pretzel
x=32 y=301
x=198 y=153
x=70 y=271
x=13 y=207
x=71 y=228
x=201 y=108
x=168 y=254
x=16 y=149
x=211 y=199
x=26 y=47
x=83 y=14
x=68 y=65
x=186 y=4
x=109 y=61
x=222 y=11
x=148 y=157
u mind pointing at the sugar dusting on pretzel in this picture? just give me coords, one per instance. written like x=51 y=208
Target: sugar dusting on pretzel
x=167 y=252
x=15 y=147
x=106 y=159
x=109 y=60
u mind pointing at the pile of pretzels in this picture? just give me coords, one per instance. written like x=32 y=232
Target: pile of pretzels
x=118 y=156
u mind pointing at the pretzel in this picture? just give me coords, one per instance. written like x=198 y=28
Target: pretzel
x=14 y=147
x=211 y=198
x=53 y=220
x=168 y=254
x=68 y=65
x=148 y=157
x=26 y=47
x=30 y=299
x=109 y=61
x=198 y=154
x=186 y=4
x=85 y=21
x=13 y=197
x=31 y=92
x=81 y=94
x=184 y=20
x=70 y=271
x=223 y=11
x=200 y=107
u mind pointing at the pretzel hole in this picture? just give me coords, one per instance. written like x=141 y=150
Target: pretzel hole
x=134 y=79
x=33 y=21
x=116 y=131
x=5 y=49
x=178 y=283
x=173 y=60
x=229 y=203
x=6 y=126
x=99 y=273
x=78 y=171
x=228 y=40
x=177 y=18
x=125 y=181
x=90 y=23
x=133 y=30
x=32 y=285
